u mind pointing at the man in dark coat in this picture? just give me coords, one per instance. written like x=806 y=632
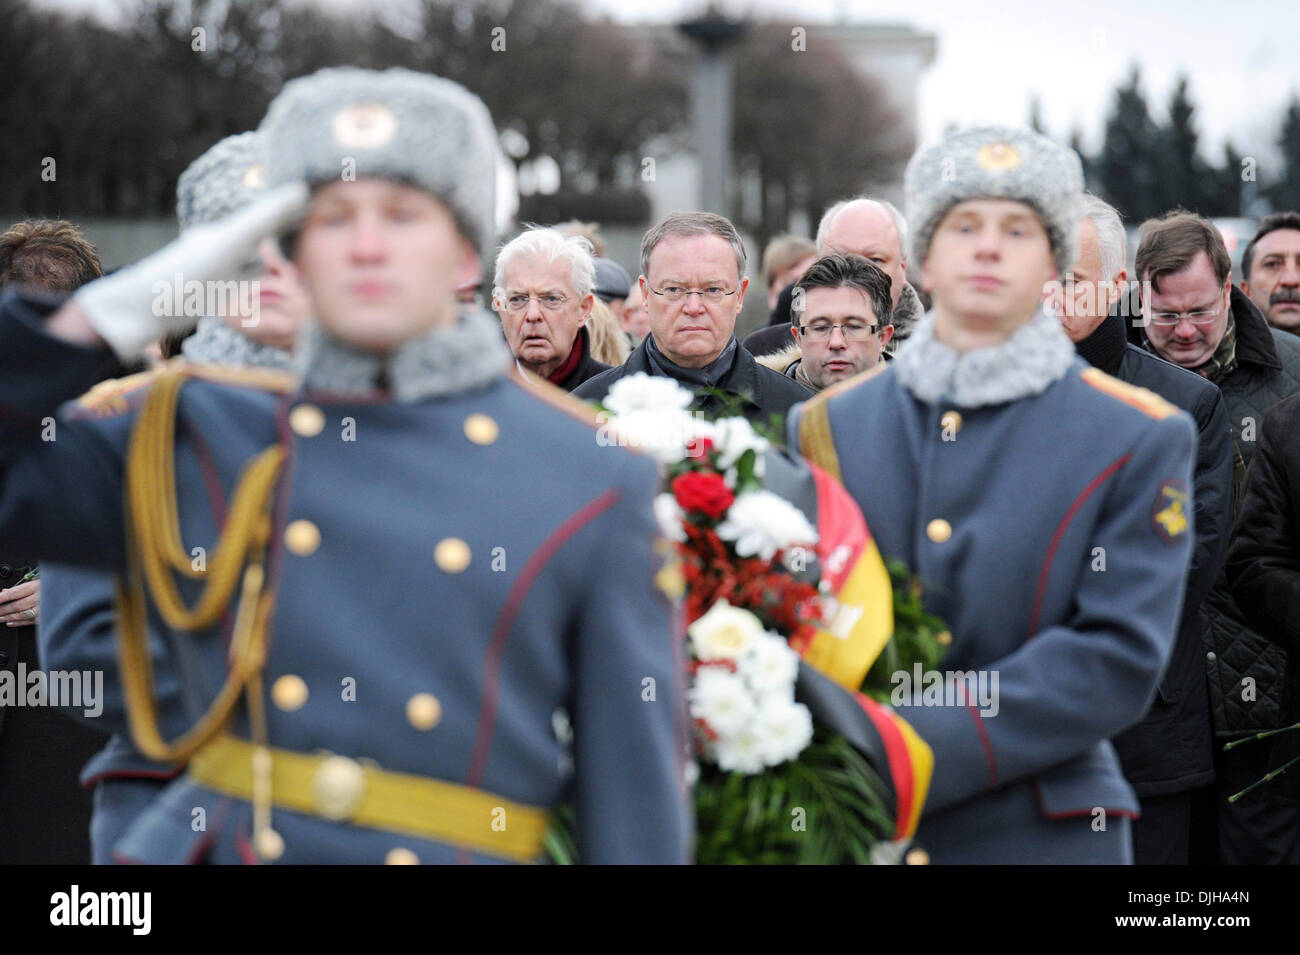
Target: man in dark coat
x=1167 y=756
x=693 y=280
x=1265 y=575
x=543 y=292
x=1196 y=319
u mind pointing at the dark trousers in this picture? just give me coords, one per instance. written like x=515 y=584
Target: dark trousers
x=1255 y=830
x=44 y=811
x=1162 y=834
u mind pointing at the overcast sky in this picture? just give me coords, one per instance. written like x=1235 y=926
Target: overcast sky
x=1243 y=58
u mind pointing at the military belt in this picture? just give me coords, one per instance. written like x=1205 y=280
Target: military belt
x=343 y=790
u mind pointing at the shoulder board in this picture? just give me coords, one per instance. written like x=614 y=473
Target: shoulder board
x=816 y=443
x=1148 y=402
x=557 y=398
x=112 y=397
x=263 y=379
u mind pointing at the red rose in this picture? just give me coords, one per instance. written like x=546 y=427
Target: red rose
x=699 y=448
x=702 y=491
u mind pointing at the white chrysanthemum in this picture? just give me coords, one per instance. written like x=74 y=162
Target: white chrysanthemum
x=642 y=392
x=733 y=437
x=661 y=434
x=761 y=523
x=740 y=752
x=770 y=664
x=669 y=516
x=783 y=728
x=722 y=700
x=724 y=633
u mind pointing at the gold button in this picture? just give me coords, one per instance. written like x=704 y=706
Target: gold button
x=423 y=711
x=938 y=530
x=451 y=555
x=338 y=786
x=951 y=421
x=269 y=844
x=302 y=538
x=917 y=857
x=307 y=420
x=944 y=639
x=481 y=429
x=400 y=856
x=289 y=692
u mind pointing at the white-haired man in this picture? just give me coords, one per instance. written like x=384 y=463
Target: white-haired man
x=543 y=292
x=1167 y=756
x=875 y=230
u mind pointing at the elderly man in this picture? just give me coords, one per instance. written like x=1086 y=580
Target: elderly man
x=693 y=280
x=358 y=510
x=844 y=322
x=875 y=230
x=1194 y=317
x=543 y=292
x=1270 y=270
x=1167 y=756
x=995 y=463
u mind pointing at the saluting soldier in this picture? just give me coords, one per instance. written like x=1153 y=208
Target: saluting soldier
x=1045 y=505
x=386 y=632
x=255 y=332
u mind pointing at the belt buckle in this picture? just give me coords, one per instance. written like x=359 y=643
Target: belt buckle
x=338 y=785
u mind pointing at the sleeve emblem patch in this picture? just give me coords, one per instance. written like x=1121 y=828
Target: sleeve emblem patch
x=1169 y=514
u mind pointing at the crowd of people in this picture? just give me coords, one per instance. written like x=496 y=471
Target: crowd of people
x=360 y=578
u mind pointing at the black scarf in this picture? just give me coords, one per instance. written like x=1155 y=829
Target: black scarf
x=709 y=376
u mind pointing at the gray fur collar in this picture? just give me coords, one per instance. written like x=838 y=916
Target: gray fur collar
x=444 y=361
x=1032 y=358
x=216 y=343
x=907 y=313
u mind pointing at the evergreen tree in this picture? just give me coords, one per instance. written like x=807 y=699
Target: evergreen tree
x=1285 y=193
x=1224 y=197
x=1126 y=168
x=1183 y=178
x=1036 y=115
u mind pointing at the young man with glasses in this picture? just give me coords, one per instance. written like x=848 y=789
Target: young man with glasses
x=1194 y=317
x=844 y=312
x=543 y=292
x=693 y=280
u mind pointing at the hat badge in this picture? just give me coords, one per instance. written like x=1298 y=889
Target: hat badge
x=364 y=126
x=254 y=177
x=998 y=156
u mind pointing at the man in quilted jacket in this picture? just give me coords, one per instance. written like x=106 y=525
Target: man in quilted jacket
x=1194 y=317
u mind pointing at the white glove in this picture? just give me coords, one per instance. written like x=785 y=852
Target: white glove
x=121 y=306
